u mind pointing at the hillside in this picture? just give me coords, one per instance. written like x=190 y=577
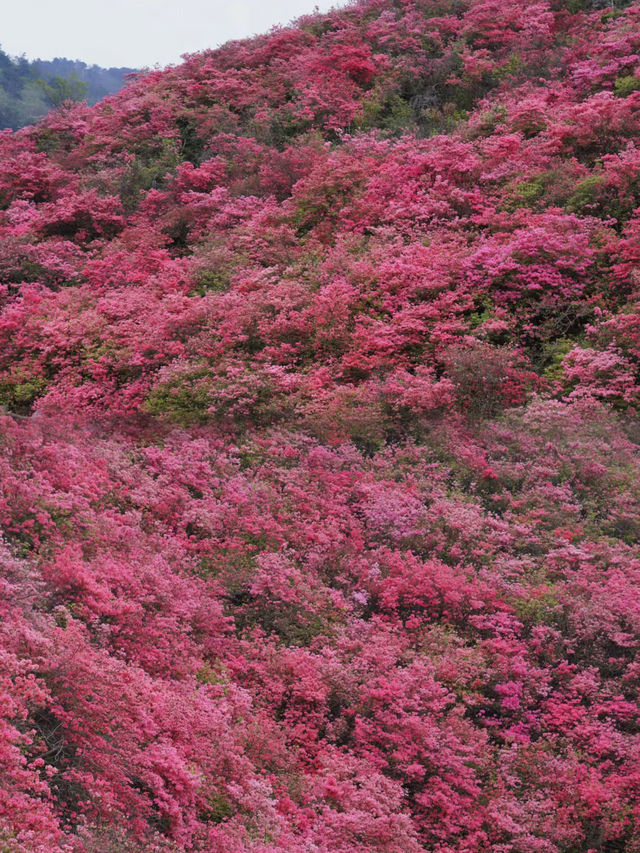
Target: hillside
x=27 y=88
x=319 y=491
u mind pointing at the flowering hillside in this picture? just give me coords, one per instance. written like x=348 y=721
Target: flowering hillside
x=320 y=472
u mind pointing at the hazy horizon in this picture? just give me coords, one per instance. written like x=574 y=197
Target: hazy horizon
x=139 y=33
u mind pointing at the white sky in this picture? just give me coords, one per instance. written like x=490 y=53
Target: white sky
x=137 y=33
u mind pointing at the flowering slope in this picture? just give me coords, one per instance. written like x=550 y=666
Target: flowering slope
x=320 y=484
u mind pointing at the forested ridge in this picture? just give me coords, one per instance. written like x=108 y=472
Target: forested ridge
x=29 y=88
x=319 y=483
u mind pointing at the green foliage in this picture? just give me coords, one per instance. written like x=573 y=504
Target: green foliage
x=539 y=607
x=552 y=188
x=47 y=140
x=19 y=391
x=595 y=196
x=615 y=6
x=552 y=356
x=192 y=145
x=490 y=121
x=386 y=112
x=209 y=280
x=444 y=119
x=183 y=398
x=512 y=67
x=292 y=623
x=148 y=171
x=351 y=417
x=59 y=90
x=587 y=194
x=29 y=89
x=235 y=397
x=280 y=128
x=525 y=193
x=100 y=82
x=624 y=86
x=208 y=674
x=612 y=14
x=22 y=109
x=320 y=205
x=217 y=810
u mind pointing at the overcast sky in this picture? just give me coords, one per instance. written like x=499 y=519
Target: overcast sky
x=137 y=33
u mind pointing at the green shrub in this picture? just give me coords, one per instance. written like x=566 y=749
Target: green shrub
x=386 y=112
x=209 y=280
x=550 y=188
x=184 y=398
x=525 y=193
x=587 y=194
x=19 y=391
x=541 y=608
x=147 y=171
x=552 y=356
x=217 y=809
x=624 y=86
x=236 y=397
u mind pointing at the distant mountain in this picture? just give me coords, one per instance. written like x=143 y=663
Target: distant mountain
x=28 y=89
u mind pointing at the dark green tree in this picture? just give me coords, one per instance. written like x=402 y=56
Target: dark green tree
x=59 y=89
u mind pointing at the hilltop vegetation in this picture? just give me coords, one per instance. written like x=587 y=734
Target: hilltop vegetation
x=28 y=89
x=320 y=493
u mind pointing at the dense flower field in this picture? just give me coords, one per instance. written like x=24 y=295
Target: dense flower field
x=319 y=482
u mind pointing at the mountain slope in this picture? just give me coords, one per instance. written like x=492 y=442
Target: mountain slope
x=320 y=372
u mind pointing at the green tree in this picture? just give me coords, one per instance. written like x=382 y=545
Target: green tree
x=60 y=89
